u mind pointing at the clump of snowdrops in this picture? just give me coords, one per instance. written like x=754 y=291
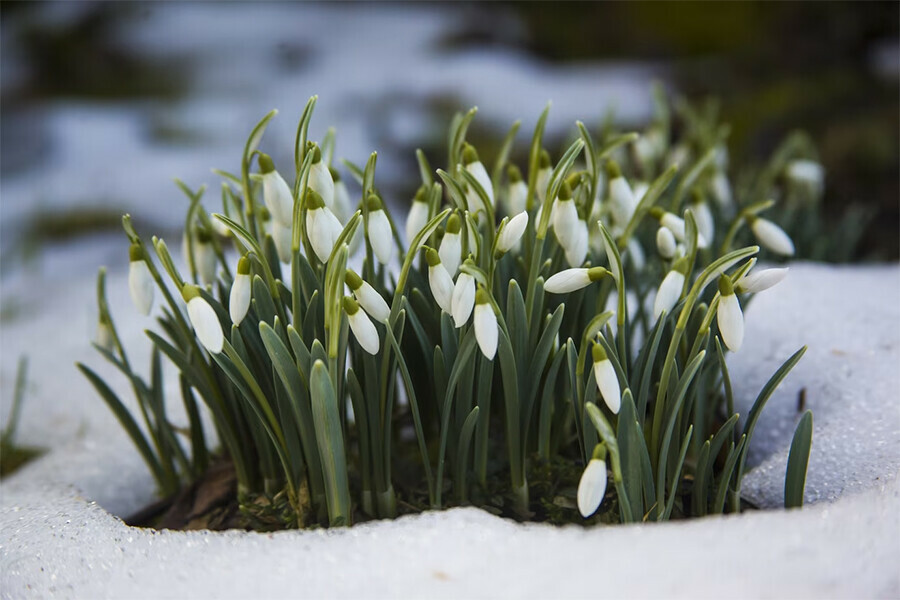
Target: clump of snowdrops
x=563 y=321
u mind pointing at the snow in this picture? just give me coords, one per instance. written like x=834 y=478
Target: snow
x=57 y=539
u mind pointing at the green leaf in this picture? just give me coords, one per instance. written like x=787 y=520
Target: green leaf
x=725 y=476
x=676 y=478
x=798 y=461
x=330 y=440
x=534 y=157
x=503 y=157
x=462 y=453
x=630 y=440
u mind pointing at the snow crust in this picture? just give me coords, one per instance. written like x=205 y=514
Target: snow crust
x=57 y=539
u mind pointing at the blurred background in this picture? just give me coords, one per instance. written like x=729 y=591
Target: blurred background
x=104 y=103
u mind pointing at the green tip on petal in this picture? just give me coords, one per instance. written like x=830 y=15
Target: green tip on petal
x=316 y=152
x=482 y=296
x=453 y=224
x=203 y=235
x=432 y=257
x=574 y=180
x=599 y=452
x=189 y=291
x=598 y=352
x=243 y=267
x=353 y=280
x=469 y=154
x=657 y=213
x=135 y=253
x=597 y=273
x=544 y=162
x=265 y=163
x=514 y=174
x=351 y=306
x=681 y=265
x=725 y=286
x=373 y=202
x=565 y=191
x=421 y=194
x=696 y=196
x=335 y=176
x=612 y=169
x=314 y=200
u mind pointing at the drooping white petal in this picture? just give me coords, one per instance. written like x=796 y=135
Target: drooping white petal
x=416 y=219
x=364 y=331
x=676 y=224
x=319 y=230
x=321 y=182
x=205 y=259
x=665 y=242
x=450 y=252
x=806 y=172
x=512 y=233
x=706 y=225
x=761 y=279
x=239 y=300
x=486 y=329
x=577 y=247
x=278 y=198
x=343 y=207
x=477 y=170
x=140 y=285
x=372 y=302
x=668 y=294
x=441 y=287
x=772 y=237
x=622 y=200
x=592 y=487
x=518 y=194
x=206 y=324
x=608 y=384
x=281 y=235
x=720 y=188
x=463 y=299
x=731 y=321
x=565 y=221
x=380 y=236
x=104 y=337
x=567 y=281
x=542 y=182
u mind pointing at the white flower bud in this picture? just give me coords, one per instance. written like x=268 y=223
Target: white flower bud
x=518 y=191
x=720 y=188
x=636 y=254
x=104 y=337
x=592 y=487
x=771 y=236
x=343 y=207
x=322 y=227
x=729 y=315
x=363 y=329
x=677 y=226
x=205 y=259
x=239 y=300
x=320 y=180
x=622 y=201
x=665 y=242
x=703 y=216
x=607 y=380
x=204 y=320
x=577 y=245
x=440 y=281
x=511 y=234
x=140 y=281
x=379 y=231
x=542 y=181
x=485 y=325
x=450 y=249
x=670 y=289
x=463 y=299
x=276 y=192
x=282 y=236
x=476 y=169
x=368 y=297
x=761 y=279
x=572 y=280
x=417 y=217
x=807 y=173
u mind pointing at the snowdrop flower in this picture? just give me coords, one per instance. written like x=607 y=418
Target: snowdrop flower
x=622 y=201
x=771 y=236
x=418 y=215
x=463 y=299
x=363 y=329
x=518 y=191
x=511 y=233
x=450 y=249
x=807 y=173
x=607 y=380
x=577 y=248
x=205 y=257
x=665 y=242
x=542 y=181
x=343 y=207
x=670 y=289
x=592 y=486
x=140 y=281
x=729 y=315
x=703 y=216
x=367 y=296
x=485 y=324
x=676 y=225
x=759 y=280
x=320 y=180
x=203 y=319
x=720 y=188
x=104 y=337
x=476 y=169
x=440 y=281
x=239 y=300
x=282 y=236
x=276 y=192
x=379 y=230
x=322 y=226
x=572 y=280
x=566 y=218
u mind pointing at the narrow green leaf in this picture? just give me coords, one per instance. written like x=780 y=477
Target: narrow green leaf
x=330 y=440
x=798 y=461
